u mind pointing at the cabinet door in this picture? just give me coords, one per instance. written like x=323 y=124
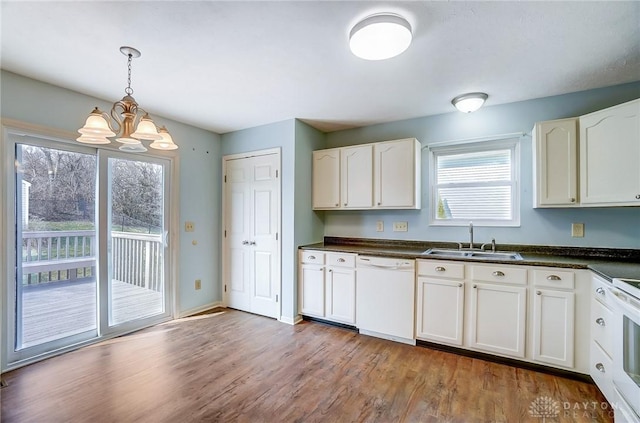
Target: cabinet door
x=312 y=290
x=357 y=177
x=326 y=179
x=553 y=327
x=498 y=316
x=341 y=295
x=439 y=316
x=609 y=156
x=396 y=180
x=556 y=163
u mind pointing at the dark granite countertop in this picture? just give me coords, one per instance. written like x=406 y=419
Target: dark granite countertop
x=607 y=262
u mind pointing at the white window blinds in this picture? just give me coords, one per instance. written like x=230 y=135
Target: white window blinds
x=475 y=182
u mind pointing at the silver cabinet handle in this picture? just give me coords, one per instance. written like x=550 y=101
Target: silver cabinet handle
x=440 y=269
x=538 y=293
x=379 y=203
x=337 y=204
x=573 y=200
x=252 y=243
x=600 y=290
x=638 y=197
x=341 y=260
x=331 y=270
x=245 y=242
x=600 y=321
x=498 y=273
x=554 y=278
x=600 y=367
x=345 y=204
x=312 y=257
x=475 y=286
x=459 y=285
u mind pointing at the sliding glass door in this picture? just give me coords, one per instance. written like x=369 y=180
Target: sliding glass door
x=55 y=286
x=136 y=225
x=90 y=245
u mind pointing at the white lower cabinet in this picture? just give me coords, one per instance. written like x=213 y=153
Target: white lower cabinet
x=553 y=327
x=311 y=282
x=341 y=295
x=498 y=318
x=440 y=302
x=554 y=317
x=327 y=284
x=523 y=312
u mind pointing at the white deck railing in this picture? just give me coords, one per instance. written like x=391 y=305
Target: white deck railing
x=52 y=256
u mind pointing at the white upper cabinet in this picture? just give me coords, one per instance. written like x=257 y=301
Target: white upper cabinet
x=326 y=179
x=610 y=156
x=384 y=175
x=356 y=165
x=397 y=174
x=555 y=152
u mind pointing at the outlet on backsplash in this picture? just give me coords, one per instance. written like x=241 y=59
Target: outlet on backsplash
x=379 y=226
x=400 y=226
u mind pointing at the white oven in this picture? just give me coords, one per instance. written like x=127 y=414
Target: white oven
x=626 y=338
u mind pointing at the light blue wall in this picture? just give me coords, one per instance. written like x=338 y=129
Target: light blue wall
x=276 y=135
x=38 y=103
x=604 y=227
x=300 y=225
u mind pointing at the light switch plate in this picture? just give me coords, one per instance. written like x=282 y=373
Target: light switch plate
x=577 y=230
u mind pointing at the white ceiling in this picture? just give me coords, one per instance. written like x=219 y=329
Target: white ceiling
x=225 y=66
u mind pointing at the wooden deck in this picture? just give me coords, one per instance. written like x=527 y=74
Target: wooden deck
x=56 y=310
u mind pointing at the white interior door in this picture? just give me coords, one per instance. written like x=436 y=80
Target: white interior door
x=251 y=234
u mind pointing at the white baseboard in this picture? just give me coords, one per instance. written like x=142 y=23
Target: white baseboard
x=199 y=309
x=290 y=321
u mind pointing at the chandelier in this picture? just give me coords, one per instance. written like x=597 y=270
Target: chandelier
x=130 y=123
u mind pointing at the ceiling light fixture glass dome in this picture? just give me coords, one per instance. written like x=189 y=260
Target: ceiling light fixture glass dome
x=470 y=102
x=380 y=36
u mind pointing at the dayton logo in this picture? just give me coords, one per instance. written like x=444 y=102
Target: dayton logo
x=544 y=407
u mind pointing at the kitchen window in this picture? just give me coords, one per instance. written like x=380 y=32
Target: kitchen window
x=475 y=182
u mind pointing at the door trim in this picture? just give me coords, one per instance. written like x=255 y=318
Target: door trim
x=225 y=256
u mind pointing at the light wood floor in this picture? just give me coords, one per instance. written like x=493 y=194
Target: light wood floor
x=237 y=367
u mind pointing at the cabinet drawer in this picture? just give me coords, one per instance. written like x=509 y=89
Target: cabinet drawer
x=341 y=259
x=441 y=269
x=504 y=274
x=601 y=370
x=552 y=278
x=309 y=256
x=601 y=326
x=600 y=291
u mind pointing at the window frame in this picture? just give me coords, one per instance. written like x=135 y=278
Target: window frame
x=510 y=142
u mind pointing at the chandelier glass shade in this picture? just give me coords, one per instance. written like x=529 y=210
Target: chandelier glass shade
x=128 y=122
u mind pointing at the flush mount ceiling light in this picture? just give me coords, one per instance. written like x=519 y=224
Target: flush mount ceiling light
x=470 y=102
x=127 y=121
x=380 y=36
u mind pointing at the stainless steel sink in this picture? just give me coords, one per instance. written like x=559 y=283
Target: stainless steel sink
x=486 y=255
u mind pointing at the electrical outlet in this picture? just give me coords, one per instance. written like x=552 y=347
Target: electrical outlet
x=577 y=230
x=189 y=226
x=400 y=226
x=198 y=284
x=379 y=226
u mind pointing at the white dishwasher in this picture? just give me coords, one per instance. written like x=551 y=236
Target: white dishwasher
x=385 y=298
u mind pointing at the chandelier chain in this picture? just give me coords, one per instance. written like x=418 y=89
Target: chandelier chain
x=129 y=90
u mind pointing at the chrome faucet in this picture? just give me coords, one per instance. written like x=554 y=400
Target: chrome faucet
x=471 y=235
